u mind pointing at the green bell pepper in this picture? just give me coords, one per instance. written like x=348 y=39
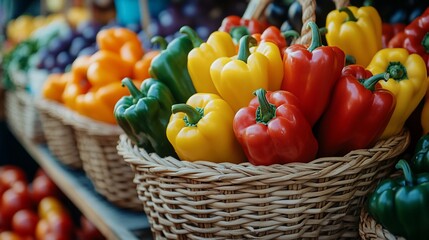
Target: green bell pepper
x=171 y=66
x=420 y=160
x=401 y=204
x=145 y=114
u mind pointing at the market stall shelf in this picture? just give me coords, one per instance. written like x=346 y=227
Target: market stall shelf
x=113 y=222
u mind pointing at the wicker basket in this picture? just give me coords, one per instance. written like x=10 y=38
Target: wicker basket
x=110 y=175
x=369 y=229
x=320 y=200
x=22 y=115
x=60 y=137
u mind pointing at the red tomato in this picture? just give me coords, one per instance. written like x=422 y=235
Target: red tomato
x=56 y=226
x=89 y=231
x=4 y=223
x=6 y=235
x=49 y=204
x=14 y=199
x=10 y=174
x=24 y=222
x=42 y=187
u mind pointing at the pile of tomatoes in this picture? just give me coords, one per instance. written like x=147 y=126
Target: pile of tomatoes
x=37 y=209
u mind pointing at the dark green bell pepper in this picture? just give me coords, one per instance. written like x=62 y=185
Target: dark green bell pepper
x=144 y=115
x=401 y=204
x=171 y=66
x=420 y=160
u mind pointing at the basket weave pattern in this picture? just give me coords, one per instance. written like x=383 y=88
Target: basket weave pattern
x=60 y=137
x=110 y=175
x=22 y=115
x=369 y=229
x=321 y=199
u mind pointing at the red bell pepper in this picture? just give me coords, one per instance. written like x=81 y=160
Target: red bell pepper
x=357 y=114
x=310 y=74
x=274 y=35
x=415 y=37
x=389 y=31
x=253 y=25
x=272 y=129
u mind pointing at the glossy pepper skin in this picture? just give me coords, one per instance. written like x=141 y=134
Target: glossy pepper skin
x=273 y=130
x=274 y=35
x=357 y=114
x=170 y=67
x=236 y=78
x=219 y=44
x=389 y=31
x=408 y=82
x=141 y=68
x=54 y=86
x=310 y=74
x=420 y=159
x=144 y=115
x=252 y=25
x=201 y=129
x=415 y=37
x=401 y=204
x=77 y=82
x=357 y=31
x=122 y=41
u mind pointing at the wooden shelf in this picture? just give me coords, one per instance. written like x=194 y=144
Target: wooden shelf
x=113 y=222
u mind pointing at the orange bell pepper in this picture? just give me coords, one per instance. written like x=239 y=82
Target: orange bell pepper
x=77 y=82
x=54 y=86
x=141 y=68
x=99 y=104
x=122 y=41
x=106 y=67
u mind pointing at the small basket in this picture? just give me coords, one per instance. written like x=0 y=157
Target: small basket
x=110 y=175
x=22 y=115
x=369 y=229
x=202 y=200
x=60 y=137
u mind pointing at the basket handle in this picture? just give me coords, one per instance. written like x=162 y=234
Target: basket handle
x=308 y=14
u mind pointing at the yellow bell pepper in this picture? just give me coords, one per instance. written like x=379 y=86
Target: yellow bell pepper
x=275 y=63
x=219 y=44
x=425 y=114
x=408 y=82
x=201 y=129
x=236 y=78
x=357 y=31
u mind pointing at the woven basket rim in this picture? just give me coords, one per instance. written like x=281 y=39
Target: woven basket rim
x=76 y=120
x=326 y=167
x=368 y=226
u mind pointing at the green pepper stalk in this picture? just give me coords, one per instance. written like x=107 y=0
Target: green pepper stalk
x=145 y=114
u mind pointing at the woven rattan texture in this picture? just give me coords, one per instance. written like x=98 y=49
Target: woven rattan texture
x=369 y=229
x=110 y=175
x=320 y=200
x=22 y=115
x=60 y=137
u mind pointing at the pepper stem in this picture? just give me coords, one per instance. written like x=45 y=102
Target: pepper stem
x=243 y=47
x=350 y=60
x=193 y=115
x=316 y=40
x=350 y=15
x=425 y=42
x=408 y=174
x=266 y=111
x=192 y=34
x=160 y=41
x=397 y=71
x=135 y=92
x=370 y=82
x=238 y=32
x=290 y=34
